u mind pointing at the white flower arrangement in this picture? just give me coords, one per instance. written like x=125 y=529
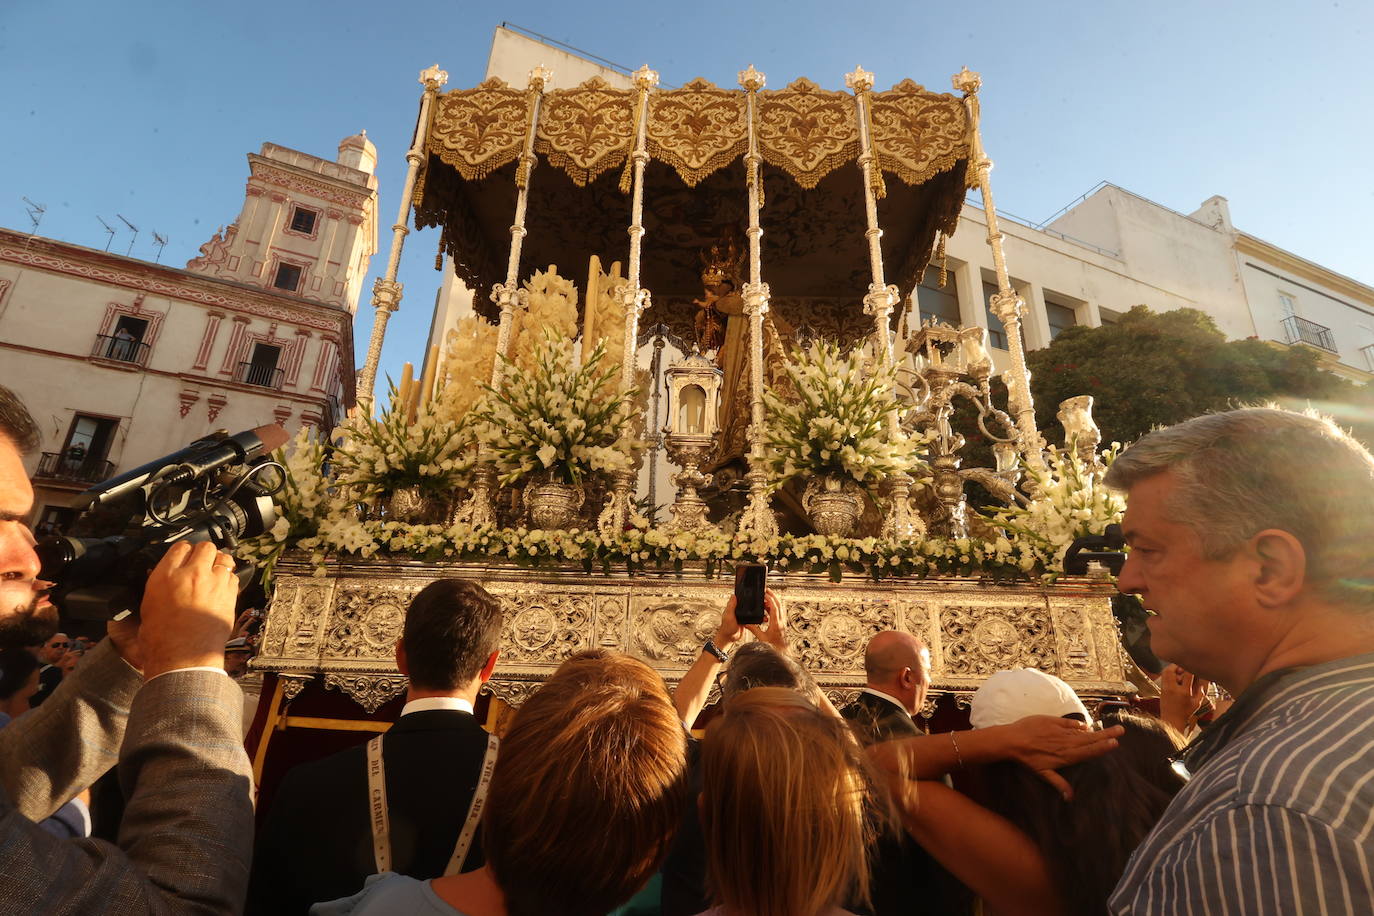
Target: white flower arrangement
x=558 y=419
x=1070 y=501
x=386 y=453
x=836 y=421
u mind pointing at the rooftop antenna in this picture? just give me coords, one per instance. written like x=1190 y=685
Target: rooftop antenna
x=161 y=242
x=36 y=212
x=110 y=233
x=133 y=228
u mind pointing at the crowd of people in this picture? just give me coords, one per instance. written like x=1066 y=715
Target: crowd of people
x=611 y=793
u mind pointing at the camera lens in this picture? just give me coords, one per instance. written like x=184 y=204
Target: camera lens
x=54 y=554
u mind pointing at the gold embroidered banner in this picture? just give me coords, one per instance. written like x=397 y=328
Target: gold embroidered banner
x=587 y=130
x=697 y=129
x=479 y=130
x=807 y=131
x=918 y=134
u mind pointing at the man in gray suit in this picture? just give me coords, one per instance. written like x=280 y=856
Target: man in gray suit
x=153 y=696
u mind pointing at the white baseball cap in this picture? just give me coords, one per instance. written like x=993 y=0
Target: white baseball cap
x=1019 y=692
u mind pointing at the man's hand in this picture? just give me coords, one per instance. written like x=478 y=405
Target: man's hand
x=1181 y=695
x=188 y=609
x=1046 y=743
x=773 y=630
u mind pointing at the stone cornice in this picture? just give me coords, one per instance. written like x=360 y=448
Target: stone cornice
x=285 y=175
x=1301 y=267
x=116 y=270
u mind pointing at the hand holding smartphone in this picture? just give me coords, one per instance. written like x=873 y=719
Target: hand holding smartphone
x=750 y=581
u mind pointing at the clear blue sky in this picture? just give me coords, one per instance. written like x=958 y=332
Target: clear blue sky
x=147 y=109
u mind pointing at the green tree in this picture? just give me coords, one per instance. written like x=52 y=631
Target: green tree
x=1156 y=368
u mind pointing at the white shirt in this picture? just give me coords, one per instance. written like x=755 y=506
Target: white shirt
x=427 y=703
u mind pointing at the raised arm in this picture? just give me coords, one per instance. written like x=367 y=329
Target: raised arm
x=186 y=835
x=1040 y=743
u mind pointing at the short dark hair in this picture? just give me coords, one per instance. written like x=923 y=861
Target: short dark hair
x=452 y=627
x=16 y=666
x=16 y=423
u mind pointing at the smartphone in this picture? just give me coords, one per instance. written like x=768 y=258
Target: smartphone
x=750 y=580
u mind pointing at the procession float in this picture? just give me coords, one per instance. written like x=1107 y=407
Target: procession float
x=720 y=281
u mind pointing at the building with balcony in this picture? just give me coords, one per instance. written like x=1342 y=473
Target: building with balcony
x=122 y=361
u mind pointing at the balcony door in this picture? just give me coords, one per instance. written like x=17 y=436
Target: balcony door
x=262 y=367
x=89 y=438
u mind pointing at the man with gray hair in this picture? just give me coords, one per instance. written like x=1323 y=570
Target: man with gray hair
x=1250 y=538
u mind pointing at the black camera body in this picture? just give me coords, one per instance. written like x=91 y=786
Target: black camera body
x=217 y=489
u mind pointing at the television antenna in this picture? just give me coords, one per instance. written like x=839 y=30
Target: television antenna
x=36 y=212
x=132 y=228
x=160 y=241
x=110 y=232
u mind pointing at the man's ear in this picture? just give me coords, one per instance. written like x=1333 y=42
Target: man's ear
x=1281 y=567
x=485 y=674
x=402 y=664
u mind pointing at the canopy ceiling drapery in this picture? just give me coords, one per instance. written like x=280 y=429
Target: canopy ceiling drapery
x=694 y=189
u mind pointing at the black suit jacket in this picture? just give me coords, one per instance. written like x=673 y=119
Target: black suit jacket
x=879 y=720
x=904 y=879
x=316 y=843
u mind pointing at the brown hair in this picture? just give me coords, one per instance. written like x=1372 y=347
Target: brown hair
x=16 y=423
x=452 y=627
x=783 y=810
x=757 y=664
x=1117 y=800
x=589 y=788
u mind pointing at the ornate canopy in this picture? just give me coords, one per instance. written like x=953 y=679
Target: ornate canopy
x=695 y=185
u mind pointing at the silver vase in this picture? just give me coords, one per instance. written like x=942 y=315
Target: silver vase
x=553 y=505
x=834 y=504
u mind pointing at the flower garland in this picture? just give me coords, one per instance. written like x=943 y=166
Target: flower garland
x=836 y=422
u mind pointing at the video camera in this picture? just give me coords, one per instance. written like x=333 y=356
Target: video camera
x=1105 y=548
x=216 y=489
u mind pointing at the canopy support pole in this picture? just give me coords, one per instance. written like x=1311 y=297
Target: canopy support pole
x=386 y=291
x=758 y=525
x=899 y=522
x=615 y=517
x=1007 y=304
x=479 y=510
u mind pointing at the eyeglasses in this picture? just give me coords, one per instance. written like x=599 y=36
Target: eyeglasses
x=59 y=645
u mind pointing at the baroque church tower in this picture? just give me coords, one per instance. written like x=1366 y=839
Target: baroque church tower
x=308 y=226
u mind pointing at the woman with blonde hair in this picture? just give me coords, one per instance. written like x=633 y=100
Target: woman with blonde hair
x=785 y=793
x=587 y=792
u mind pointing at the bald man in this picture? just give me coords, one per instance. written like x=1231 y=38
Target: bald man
x=897 y=670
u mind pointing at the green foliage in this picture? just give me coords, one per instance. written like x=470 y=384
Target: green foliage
x=1154 y=369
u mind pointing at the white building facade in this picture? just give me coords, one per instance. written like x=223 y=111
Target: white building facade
x=122 y=361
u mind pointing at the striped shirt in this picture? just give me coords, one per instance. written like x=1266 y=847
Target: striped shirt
x=1279 y=814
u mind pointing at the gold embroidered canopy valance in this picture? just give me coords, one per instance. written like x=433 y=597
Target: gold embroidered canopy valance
x=697 y=136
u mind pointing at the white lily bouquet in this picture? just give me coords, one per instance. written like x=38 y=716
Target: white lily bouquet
x=835 y=422
x=1070 y=502
x=558 y=419
x=383 y=454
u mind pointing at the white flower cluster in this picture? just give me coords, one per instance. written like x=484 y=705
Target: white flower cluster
x=837 y=423
x=558 y=419
x=386 y=453
x=1070 y=501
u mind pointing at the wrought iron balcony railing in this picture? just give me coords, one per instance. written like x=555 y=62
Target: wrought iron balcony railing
x=121 y=349
x=1299 y=330
x=74 y=467
x=262 y=376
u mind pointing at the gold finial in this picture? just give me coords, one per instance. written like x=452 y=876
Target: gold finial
x=860 y=80
x=967 y=81
x=433 y=78
x=752 y=79
x=540 y=77
x=644 y=78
